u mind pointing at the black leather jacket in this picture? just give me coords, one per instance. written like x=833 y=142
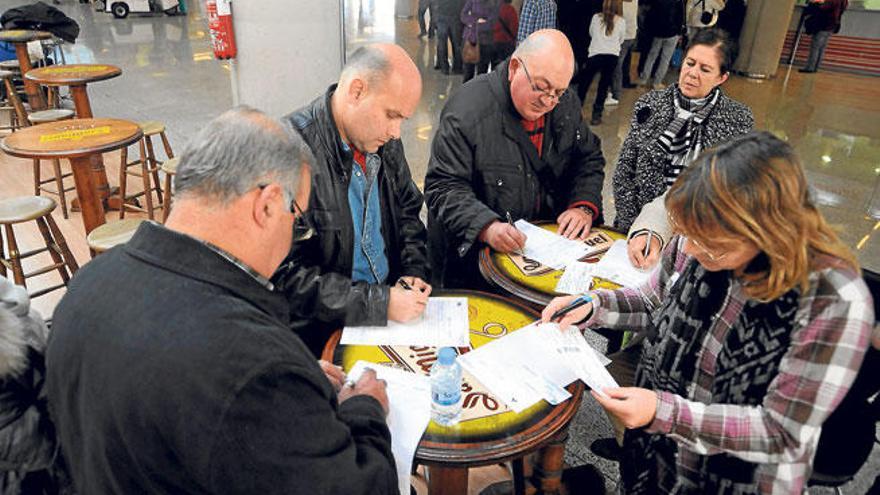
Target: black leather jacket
x=483 y=165
x=316 y=275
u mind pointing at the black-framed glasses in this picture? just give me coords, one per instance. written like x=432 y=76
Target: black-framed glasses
x=554 y=96
x=303 y=229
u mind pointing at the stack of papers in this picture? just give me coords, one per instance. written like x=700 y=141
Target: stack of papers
x=536 y=362
x=616 y=267
x=443 y=324
x=409 y=412
x=548 y=248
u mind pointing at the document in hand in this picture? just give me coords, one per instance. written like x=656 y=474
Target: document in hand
x=409 y=412
x=534 y=363
x=616 y=267
x=444 y=323
x=548 y=248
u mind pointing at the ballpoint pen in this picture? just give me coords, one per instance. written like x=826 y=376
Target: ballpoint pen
x=510 y=222
x=403 y=284
x=578 y=302
x=648 y=243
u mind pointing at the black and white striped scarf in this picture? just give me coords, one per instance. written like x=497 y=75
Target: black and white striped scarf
x=683 y=138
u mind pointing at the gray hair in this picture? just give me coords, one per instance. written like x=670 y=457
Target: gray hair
x=241 y=149
x=369 y=62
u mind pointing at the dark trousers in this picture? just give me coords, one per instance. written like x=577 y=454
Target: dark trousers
x=604 y=65
x=449 y=32
x=817 y=49
x=424 y=5
x=500 y=53
x=481 y=67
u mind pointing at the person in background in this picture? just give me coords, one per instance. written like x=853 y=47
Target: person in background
x=535 y=15
x=574 y=20
x=479 y=18
x=669 y=128
x=30 y=453
x=665 y=23
x=511 y=143
x=201 y=388
x=607 y=31
x=504 y=33
x=366 y=260
x=449 y=32
x=426 y=6
x=702 y=14
x=823 y=19
x=621 y=77
x=755 y=326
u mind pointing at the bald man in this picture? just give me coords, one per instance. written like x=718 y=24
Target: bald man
x=511 y=142
x=361 y=257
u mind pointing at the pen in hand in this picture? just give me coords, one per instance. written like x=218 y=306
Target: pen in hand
x=403 y=284
x=510 y=222
x=580 y=301
x=648 y=244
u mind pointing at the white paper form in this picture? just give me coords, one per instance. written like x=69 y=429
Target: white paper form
x=616 y=267
x=585 y=361
x=521 y=368
x=548 y=248
x=409 y=412
x=576 y=279
x=443 y=324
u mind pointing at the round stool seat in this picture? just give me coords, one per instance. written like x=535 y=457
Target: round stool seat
x=10 y=65
x=170 y=165
x=113 y=234
x=25 y=208
x=51 y=115
x=6 y=73
x=152 y=127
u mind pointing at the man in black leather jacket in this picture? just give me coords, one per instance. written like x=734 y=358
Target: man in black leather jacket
x=511 y=142
x=364 y=205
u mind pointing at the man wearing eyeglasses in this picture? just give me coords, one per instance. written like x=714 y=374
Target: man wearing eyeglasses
x=366 y=261
x=171 y=368
x=514 y=143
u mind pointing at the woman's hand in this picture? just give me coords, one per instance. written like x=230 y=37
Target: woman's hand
x=634 y=407
x=569 y=318
x=635 y=248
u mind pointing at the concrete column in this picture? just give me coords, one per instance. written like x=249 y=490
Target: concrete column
x=762 y=38
x=288 y=52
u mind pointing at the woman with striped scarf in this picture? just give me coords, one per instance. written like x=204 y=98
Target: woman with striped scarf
x=669 y=129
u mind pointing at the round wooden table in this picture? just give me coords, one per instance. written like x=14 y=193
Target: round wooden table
x=531 y=281
x=20 y=38
x=81 y=141
x=77 y=77
x=488 y=433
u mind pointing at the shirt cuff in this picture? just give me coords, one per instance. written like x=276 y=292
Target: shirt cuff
x=598 y=311
x=588 y=204
x=664 y=417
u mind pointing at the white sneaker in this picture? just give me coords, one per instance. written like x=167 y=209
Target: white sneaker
x=610 y=101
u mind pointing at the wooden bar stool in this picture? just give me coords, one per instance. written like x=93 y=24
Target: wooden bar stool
x=37 y=209
x=170 y=169
x=18 y=114
x=60 y=190
x=113 y=234
x=149 y=169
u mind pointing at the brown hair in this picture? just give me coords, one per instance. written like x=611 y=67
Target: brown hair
x=753 y=188
x=611 y=8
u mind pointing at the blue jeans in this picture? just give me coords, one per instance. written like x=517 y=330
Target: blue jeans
x=662 y=47
x=448 y=32
x=817 y=49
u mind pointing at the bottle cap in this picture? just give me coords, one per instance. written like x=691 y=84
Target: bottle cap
x=446 y=356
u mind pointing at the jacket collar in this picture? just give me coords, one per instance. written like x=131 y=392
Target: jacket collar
x=179 y=253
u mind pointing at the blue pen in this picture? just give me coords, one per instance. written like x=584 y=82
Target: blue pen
x=580 y=301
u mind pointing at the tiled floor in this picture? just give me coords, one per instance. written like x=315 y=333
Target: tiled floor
x=169 y=74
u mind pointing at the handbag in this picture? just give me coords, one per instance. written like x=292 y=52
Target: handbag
x=470 y=53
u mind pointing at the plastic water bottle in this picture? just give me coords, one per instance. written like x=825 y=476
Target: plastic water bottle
x=446 y=388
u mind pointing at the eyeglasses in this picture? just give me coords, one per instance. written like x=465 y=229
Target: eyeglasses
x=303 y=229
x=709 y=254
x=553 y=96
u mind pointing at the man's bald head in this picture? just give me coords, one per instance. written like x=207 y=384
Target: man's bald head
x=378 y=89
x=540 y=70
x=547 y=44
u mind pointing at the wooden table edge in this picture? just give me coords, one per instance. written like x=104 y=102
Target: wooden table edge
x=76 y=153
x=48 y=82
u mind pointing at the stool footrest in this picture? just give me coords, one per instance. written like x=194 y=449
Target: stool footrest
x=45 y=290
x=45 y=269
x=32 y=252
